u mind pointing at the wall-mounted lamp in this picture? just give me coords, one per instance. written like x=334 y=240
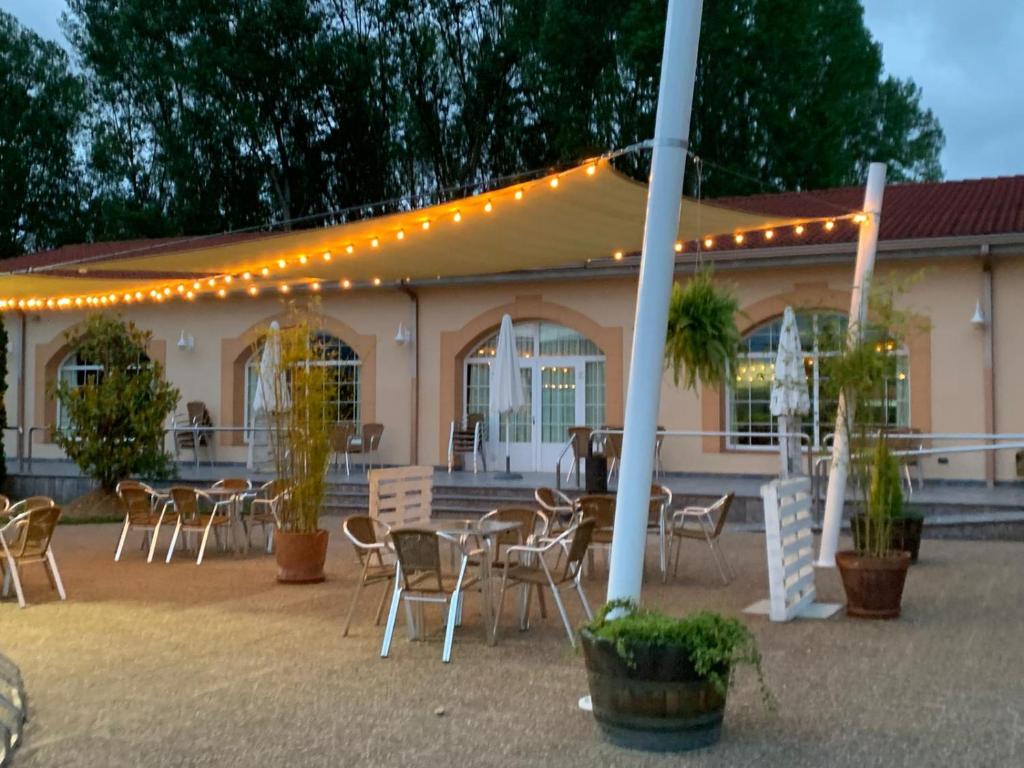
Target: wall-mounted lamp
x=402 y=337
x=186 y=342
x=978 y=318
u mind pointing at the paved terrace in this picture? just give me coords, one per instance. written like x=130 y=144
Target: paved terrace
x=217 y=665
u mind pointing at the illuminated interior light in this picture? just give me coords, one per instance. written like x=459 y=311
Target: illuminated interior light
x=346 y=284
x=181 y=288
x=253 y=290
x=281 y=263
x=285 y=288
x=167 y=291
x=211 y=282
x=138 y=295
x=769 y=234
x=221 y=292
x=618 y=255
x=189 y=295
x=739 y=239
x=247 y=275
x=228 y=279
x=830 y=225
x=196 y=285
x=315 y=286
x=860 y=218
x=708 y=242
x=678 y=247
x=376 y=281
x=799 y=229
x=78 y=301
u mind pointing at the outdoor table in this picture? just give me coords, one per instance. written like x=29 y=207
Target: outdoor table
x=485 y=531
x=663 y=517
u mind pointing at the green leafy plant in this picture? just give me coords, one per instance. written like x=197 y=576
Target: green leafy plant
x=702 y=336
x=302 y=451
x=115 y=419
x=713 y=643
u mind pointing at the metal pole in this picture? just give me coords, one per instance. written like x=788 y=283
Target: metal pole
x=867 y=244
x=657 y=264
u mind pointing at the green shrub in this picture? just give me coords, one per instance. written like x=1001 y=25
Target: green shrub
x=116 y=419
x=712 y=642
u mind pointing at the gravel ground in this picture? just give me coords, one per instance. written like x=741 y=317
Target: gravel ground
x=217 y=665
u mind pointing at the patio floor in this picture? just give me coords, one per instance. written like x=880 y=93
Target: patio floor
x=170 y=665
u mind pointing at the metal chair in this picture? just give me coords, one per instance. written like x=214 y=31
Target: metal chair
x=526 y=566
x=418 y=579
x=657 y=522
x=613 y=451
x=26 y=539
x=376 y=560
x=342 y=435
x=369 y=444
x=265 y=511
x=711 y=521
x=600 y=509
x=32 y=502
x=580 y=441
x=191 y=518
x=140 y=502
x=559 y=509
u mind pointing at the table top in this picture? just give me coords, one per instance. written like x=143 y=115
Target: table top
x=456 y=527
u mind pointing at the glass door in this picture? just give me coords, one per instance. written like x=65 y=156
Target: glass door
x=561 y=392
x=518 y=428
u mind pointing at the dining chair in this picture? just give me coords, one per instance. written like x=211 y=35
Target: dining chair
x=419 y=580
x=710 y=522
x=32 y=502
x=188 y=504
x=140 y=513
x=369 y=444
x=580 y=442
x=27 y=539
x=613 y=450
x=266 y=511
x=600 y=509
x=342 y=435
x=558 y=507
x=526 y=566
x=239 y=484
x=5 y=504
x=658 y=523
x=375 y=559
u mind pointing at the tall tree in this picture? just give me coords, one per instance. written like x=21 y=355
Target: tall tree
x=41 y=101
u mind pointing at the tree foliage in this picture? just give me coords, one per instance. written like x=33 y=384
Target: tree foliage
x=41 y=181
x=209 y=116
x=116 y=419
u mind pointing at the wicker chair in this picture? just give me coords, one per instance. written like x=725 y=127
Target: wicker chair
x=613 y=451
x=191 y=518
x=526 y=566
x=342 y=435
x=710 y=522
x=580 y=442
x=26 y=539
x=600 y=509
x=376 y=561
x=418 y=579
x=559 y=509
x=266 y=510
x=140 y=513
x=369 y=444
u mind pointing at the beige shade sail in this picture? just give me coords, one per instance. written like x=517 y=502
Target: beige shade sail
x=588 y=213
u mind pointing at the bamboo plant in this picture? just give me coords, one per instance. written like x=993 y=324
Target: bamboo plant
x=302 y=446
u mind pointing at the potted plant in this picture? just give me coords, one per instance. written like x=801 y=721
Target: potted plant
x=659 y=682
x=301 y=453
x=904 y=532
x=874 y=572
x=702 y=337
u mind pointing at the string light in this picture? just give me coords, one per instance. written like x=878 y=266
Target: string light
x=769 y=234
x=554 y=183
x=181 y=288
x=708 y=242
x=346 y=284
x=591 y=169
x=488 y=207
x=400 y=234
x=228 y=279
x=211 y=282
x=327 y=255
x=830 y=225
x=518 y=195
x=374 y=243
x=678 y=247
x=222 y=292
x=425 y=225
x=350 y=249
x=302 y=258
x=315 y=286
x=196 y=285
x=282 y=263
x=138 y=295
x=189 y=295
x=265 y=271
x=285 y=288
x=457 y=217
x=860 y=218
x=799 y=229
x=247 y=275
x=376 y=281
x=739 y=239
x=253 y=290
x=618 y=255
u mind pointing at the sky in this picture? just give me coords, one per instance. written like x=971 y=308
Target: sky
x=966 y=56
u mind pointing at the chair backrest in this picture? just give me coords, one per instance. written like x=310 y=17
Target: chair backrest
x=600 y=509
x=580 y=440
x=34 y=531
x=660 y=497
x=721 y=507
x=198 y=414
x=372 y=434
x=613 y=445
x=137 y=501
x=274 y=488
x=186 y=501
x=233 y=484
x=5 y=504
x=32 y=502
x=419 y=554
x=551 y=499
x=578 y=549
x=530 y=522
x=401 y=497
x=341 y=435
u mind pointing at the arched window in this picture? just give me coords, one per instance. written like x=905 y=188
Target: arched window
x=342 y=364
x=748 y=394
x=75 y=371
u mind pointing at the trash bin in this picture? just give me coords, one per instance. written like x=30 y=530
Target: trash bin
x=597 y=472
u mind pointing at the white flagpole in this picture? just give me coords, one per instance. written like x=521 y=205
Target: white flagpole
x=867 y=244
x=657 y=265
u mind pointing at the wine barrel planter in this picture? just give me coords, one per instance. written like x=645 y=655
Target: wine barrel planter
x=873 y=585
x=657 y=702
x=904 y=534
x=300 y=556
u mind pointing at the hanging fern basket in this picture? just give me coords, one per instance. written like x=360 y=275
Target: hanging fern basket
x=702 y=338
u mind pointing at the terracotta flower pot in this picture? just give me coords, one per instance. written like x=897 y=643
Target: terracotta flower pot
x=300 y=556
x=658 y=702
x=873 y=585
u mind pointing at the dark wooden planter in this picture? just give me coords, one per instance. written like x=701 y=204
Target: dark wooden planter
x=873 y=585
x=904 y=534
x=300 y=556
x=658 y=703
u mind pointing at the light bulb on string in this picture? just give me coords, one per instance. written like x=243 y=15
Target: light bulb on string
x=376 y=281
x=400 y=234
x=457 y=217
x=327 y=255
x=591 y=169
x=799 y=229
x=265 y=271
x=708 y=242
x=830 y=225
x=247 y=275
x=346 y=284
x=374 y=243
x=618 y=255
x=302 y=258
x=739 y=238
x=350 y=249
x=315 y=286
x=488 y=207
x=518 y=195
x=253 y=290
x=769 y=234
x=678 y=247
x=554 y=183
x=281 y=263
x=425 y=225
x=221 y=292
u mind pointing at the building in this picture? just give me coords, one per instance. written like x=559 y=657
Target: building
x=412 y=353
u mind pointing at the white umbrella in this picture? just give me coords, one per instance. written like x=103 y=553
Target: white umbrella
x=271 y=391
x=789 y=399
x=506 y=395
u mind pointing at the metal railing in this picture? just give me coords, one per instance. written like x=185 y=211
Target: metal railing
x=805 y=442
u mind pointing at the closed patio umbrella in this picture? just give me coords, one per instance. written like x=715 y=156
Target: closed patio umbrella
x=271 y=393
x=506 y=395
x=789 y=398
